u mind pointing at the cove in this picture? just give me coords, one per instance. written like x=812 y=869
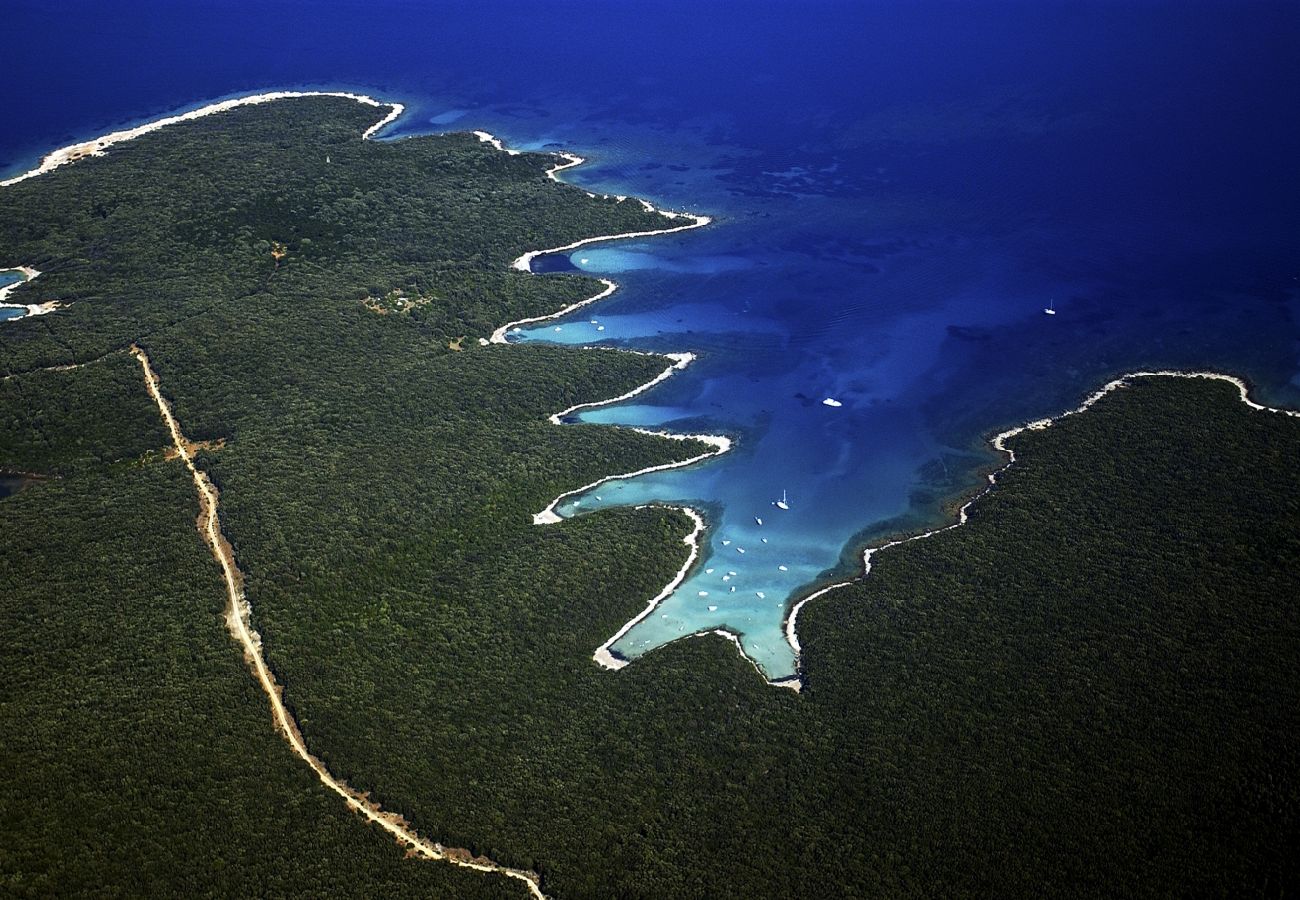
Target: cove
x=893 y=208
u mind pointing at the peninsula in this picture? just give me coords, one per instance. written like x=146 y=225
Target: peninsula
x=279 y=621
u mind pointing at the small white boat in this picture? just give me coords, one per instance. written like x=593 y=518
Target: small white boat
x=758 y=520
x=713 y=609
x=783 y=568
x=704 y=593
x=1051 y=307
x=764 y=540
x=594 y=322
x=761 y=595
x=726 y=543
x=600 y=327
x=726 y=577
x=740 y=549
x=831 y=401
x=732 y=574
x=559 y=328
x=583 y=261
x=783 y=503
x=708 y=571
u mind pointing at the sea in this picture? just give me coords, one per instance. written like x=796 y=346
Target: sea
x=899 y=191
x=12 y=311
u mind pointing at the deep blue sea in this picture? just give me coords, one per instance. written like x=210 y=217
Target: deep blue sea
x=899 y=190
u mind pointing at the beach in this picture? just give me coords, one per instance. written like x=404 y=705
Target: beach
x=96 y=146
x=29 y=309
x=999 y=443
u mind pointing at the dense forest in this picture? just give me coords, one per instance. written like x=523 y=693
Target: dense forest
x=1090 y=689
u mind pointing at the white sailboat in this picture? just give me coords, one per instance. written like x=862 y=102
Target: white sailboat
x=783 y=503
x=1051 y=307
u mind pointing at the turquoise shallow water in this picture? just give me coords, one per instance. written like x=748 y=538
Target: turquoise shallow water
x=9 y=312
x=898 y=191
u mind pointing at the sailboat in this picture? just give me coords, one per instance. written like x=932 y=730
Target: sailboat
x=783 y=503
x=1051 y=307
x=758 y=520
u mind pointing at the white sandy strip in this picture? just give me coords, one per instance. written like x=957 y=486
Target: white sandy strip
x=489 y=138
x=32 y=309
x=1000 y=444
x=720 y=443
x=239 y=621
x=98 y=145
x=524 y=263
x=692 y=540
x=28 y=274
x=499 y=336
x=570 y=160
x=605 y=656
x=792 y=682
x=679 y=361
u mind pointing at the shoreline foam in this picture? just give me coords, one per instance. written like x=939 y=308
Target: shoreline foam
x=32 y=309
x=96 y=146
x=524 y=263
x=720 y=443
x=239 y=612
x=603 y=655
x=790 y=625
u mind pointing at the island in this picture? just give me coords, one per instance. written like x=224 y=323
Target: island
x=279 y=619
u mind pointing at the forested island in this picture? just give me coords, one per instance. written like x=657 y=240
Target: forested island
x=1090 y=688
